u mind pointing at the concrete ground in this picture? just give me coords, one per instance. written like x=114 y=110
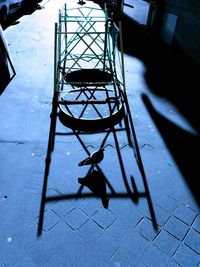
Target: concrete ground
x=158 y=225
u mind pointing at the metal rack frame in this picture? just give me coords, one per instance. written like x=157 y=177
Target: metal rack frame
x=99 y=55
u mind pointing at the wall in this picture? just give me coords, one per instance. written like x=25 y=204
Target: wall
x=180 y=26
x=139 y=12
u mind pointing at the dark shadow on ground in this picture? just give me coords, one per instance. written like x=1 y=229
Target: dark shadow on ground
x=13 y=19
x=7 y=71
x=5 y=62
x=96 y=182
x=183 y=146
x=174 y=78
x=4 y=82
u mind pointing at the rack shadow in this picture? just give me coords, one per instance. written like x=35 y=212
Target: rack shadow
x=96 y=181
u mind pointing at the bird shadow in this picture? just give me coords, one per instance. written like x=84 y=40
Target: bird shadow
x=95 y=180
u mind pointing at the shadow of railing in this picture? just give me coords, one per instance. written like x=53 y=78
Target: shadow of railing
x=95 y=180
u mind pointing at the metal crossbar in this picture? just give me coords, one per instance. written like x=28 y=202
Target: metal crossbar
x=85 y=44
x=89 y=89
x=81 y=37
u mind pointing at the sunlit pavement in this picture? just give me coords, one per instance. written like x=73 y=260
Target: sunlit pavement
x=80 y=231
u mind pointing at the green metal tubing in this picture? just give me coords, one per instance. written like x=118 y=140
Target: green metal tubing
x=55 y=57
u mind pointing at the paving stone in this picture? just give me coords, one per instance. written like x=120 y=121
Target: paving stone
x=130 y=251
x=127 y=217
x=196 y=224
x=22 y=236
x=186 y=257
x=185 y=214
x=167 y=203
x=143 y=207
x=10 y=251
x=141 y=265
x=146 y=229
x=90 y=206
x=90 y=232
x=135 y=244
x=192 y=240
x=76 y=218
x=154 y=257
x=40 y=253
x=60 y=240
x=106 y=246
x=120 y=233
x=172 y=263
x=2 y=226
x=5 y=205
x=62 y=208
x=125 y=211
x=193 y=205
x=50 y=220
x=52 y=192
x=75 y=252
x=25 y=261
x=104 y=218
x=161 y=215
x=176 y=227
x=122 y=258
x=166 y=242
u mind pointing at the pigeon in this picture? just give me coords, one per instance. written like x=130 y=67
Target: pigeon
x=81 y=2
x=94 y=158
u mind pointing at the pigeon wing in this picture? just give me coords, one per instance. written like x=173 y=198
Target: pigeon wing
x=94 y=158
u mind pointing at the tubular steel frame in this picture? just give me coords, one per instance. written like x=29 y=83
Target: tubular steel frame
x=88 y=65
